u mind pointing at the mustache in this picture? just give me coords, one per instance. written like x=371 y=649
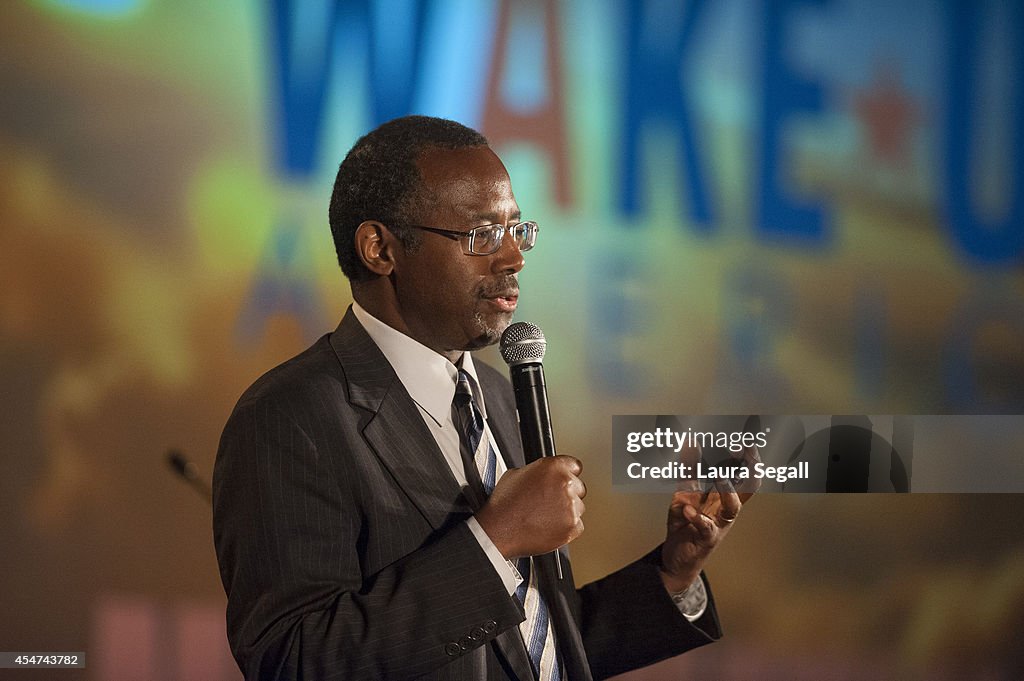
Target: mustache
x=502 y=286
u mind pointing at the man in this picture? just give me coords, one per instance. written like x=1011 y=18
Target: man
x=373 y=516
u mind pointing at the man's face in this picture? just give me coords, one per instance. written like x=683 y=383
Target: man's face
x=451 y=301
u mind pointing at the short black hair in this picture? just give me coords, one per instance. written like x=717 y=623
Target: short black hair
x=379 y=179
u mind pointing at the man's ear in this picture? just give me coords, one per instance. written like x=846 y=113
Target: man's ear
x=375 y=246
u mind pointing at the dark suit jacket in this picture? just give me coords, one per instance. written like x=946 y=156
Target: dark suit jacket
x=344 y=553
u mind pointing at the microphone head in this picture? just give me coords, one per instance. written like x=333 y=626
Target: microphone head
x=522 y=343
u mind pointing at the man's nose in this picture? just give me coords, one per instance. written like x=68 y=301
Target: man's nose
x=508 y=258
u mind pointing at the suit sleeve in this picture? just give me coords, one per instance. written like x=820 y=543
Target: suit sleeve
x=628 y=620
x=288 y=535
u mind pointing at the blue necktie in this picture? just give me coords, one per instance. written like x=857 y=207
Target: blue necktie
x=477 y=454
x=536 y=629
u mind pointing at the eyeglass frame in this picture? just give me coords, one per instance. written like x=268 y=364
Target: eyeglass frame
x=468 y=248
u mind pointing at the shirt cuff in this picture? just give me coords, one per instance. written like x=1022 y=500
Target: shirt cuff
x=510 y=577
x=691 y=601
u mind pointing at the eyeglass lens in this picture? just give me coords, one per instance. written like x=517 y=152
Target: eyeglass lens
x=487 y=241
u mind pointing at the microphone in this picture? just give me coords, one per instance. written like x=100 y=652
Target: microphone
x=522 y=347
x=189 y=473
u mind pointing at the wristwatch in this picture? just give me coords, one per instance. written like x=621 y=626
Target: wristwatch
x=692 y=600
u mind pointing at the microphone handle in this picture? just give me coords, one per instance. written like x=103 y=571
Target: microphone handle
x=534 y=419
x=532 y=405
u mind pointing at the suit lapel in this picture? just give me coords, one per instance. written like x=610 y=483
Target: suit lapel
x=501 y=410
x=393 y=427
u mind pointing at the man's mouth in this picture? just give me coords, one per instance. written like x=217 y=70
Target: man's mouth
x=505 y=301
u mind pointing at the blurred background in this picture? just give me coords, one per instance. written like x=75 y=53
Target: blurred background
x=803 y=207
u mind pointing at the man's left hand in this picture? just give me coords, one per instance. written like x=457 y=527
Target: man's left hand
x=697 y=522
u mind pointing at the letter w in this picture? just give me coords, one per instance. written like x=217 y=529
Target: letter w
x=302 y=52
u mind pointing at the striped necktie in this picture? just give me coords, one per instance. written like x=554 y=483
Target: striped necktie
x=536 y=629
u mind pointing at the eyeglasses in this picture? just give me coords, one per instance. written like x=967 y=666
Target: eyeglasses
x=486 y=239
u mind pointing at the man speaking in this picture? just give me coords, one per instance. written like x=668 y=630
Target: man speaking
x=373 y=516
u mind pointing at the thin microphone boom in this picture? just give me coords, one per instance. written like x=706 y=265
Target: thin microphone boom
x=189 y=473
x=522 y=347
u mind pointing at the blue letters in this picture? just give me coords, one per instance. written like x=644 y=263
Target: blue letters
x=993 y=243
x=300 y=49
x=784 y=93
x=653 y=92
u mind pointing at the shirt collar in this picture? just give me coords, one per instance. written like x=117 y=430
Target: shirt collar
x=428 y=376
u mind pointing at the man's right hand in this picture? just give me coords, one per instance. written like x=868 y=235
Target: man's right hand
x=536 y=508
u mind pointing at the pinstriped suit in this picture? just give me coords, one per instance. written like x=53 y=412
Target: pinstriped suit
x=342 y=545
